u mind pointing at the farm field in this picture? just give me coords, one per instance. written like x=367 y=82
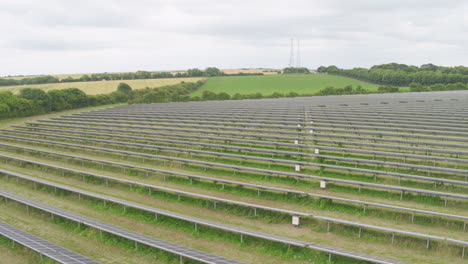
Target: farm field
x=378 y=178
x=227 y=71
x=268 y=84
x=101 y=87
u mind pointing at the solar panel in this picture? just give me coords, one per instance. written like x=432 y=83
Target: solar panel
x=43 y=247
x=222 y=165
x=186 y=252
x=133 y=236
x=270 y=172
x=250 y=205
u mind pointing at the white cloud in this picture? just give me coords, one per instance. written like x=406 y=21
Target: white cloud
x=53 y=36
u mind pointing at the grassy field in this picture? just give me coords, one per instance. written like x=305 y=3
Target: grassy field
x=101 y=87
x=267 y=85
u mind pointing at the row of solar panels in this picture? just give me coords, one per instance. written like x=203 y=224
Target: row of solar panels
x=463 y=173
x=263 y=171
x=316 y=117
x=121 y=232
x=349 y=129
x=317 y=127
x=259 y=115
x=233 y=202
x=317 y=121
x=245 y=185
x=247 y=149
x=290 y=108
x=163 y=245
x=296 y=113
x=233 y=134
x=278 y=144
x=43 y=247
x=243 y=168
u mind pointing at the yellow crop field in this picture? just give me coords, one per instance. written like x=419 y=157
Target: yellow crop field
x=101 y=87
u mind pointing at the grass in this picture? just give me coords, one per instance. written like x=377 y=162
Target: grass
x=267 y=85
x=100 y=87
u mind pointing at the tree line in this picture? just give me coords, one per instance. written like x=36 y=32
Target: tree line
x=295 y=70
x=402 y=74
x=208 y=72
x=349 y=89
x=33 y=101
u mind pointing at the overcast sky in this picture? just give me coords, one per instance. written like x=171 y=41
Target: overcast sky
x=59 y=36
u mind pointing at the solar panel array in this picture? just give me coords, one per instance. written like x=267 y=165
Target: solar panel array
x=43 y=247
x=118 y=231
x=409 y=146
x=224 y=227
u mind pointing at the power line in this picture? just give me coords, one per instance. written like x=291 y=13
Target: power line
x=291 y=56
x=298 y=57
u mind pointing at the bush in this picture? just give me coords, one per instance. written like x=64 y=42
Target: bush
x=4 y=111
x=417 y=87
x=277 y=95
x=38 y=96
x=388 y=89
x=124 y=88
x=292 y=70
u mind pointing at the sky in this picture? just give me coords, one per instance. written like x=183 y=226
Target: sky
x=60 y=36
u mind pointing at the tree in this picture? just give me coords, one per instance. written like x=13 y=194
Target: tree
x=4 y=111
x=388 y=89
x=292 y=70
x=124 y=88
x=39 y=96
x=416 y=87
x=194 y=73
x=277 y=95
x=223 y=96
x=212 y=71
x=85 y=78
x=142 y=75
x=209 y=95
x=402 y=75
x=67 y=99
